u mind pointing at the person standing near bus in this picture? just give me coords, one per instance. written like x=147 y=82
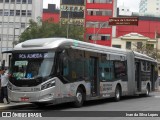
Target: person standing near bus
x=0 y=87
x=4 y=82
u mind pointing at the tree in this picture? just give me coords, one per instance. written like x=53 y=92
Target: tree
x=47 y=29
x=149 y=50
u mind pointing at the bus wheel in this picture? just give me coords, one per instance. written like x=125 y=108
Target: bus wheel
x=117 y=94
x=79 y=98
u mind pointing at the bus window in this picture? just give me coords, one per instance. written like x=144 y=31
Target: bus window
x=73 y=66
x=105 y=69
x=120 y=69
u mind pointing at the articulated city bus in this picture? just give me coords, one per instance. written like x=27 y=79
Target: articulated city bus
x=58 y=70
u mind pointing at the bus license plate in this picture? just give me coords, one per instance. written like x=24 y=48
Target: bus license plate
x=24 y=99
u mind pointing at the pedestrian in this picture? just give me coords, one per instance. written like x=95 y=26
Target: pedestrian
x=0 y=87
x=4 y=91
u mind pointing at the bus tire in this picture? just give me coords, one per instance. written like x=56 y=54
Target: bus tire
x=117 y=93
x=79 y=98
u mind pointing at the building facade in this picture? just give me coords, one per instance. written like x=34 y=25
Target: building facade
x=72 y=12
x=123 y=10
x=149 y=7
x=14 y=19
x=133 y=41
x=51 y=13
x=97 y=16
x=147 y=26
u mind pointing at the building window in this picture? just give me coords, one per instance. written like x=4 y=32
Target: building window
x=1 y=1
x=29 y=13
x=116 y=46
x=139 y=45
x=6 y=12
x=24 y=1
x=105 y=38
x=29 y=1
x=150 y=46
x=11 y=12
x=12 y=1
x=99 y=12
x=22 y=25
x=23 y=12
x=17 y=12
x=128 y=45
x=6 y=1
x=1 y=12
x=157 y=8
x=18 y=1
x=99 y=1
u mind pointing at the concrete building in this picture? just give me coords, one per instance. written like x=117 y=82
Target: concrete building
x=123 y=10
x=72 y=11
x=149 y=7
x=14 y=18
x=52 y=13
x=136 y=42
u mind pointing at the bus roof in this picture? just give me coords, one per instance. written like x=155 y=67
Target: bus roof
x=52 y=43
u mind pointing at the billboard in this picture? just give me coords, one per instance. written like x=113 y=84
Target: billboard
x=123 y=21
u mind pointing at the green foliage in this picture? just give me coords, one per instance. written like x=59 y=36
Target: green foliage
x=47 y=29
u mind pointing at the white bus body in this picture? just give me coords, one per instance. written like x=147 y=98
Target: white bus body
x=57 y=70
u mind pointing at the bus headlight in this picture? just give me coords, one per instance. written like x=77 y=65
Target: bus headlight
x=9 y=86
x=48 y=85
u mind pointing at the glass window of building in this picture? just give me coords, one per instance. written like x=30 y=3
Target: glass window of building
x=11 y=12
x=12 y=1
x=29 y=13
x=24 y=1
x=29 y=1
x=1 y=1
x=1 y=12
x=6 y=1
x=116 y=46
x=18 y=1
x=139 y=45
x=6 y=12
x=23 y=12
x=22 y=25
x=17 y=12
x=128 y=45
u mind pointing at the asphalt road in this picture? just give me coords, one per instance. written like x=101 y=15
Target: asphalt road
x=93 y=109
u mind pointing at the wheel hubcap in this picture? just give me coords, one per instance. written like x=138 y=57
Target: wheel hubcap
x=79 y=97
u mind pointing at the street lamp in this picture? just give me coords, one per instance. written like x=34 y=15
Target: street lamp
x=96 y=32
x=14 y=36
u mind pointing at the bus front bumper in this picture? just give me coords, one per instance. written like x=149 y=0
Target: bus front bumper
x=38 y=96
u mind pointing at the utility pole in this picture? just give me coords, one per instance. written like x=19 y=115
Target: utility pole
x=68 y=25
x=14 y=32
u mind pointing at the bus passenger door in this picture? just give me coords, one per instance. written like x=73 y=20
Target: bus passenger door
x=138 y=76
x=94 y=76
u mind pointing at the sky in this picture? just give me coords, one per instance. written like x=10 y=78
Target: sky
x=132 y=4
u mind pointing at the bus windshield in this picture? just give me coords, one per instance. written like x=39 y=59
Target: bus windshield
x=28 y=66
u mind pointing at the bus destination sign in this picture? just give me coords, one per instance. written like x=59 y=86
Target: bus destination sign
x=123 y=21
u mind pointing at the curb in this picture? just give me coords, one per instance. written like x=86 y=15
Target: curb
x=15 y=105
